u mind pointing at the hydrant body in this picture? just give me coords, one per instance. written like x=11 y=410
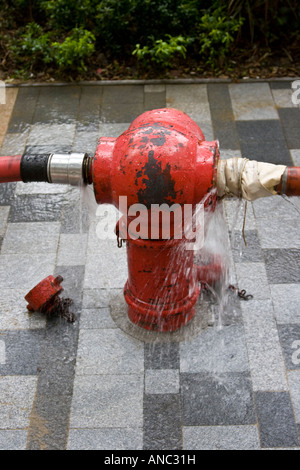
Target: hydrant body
x=162 y=162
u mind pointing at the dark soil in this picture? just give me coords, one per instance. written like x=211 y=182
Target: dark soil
x=256 y=63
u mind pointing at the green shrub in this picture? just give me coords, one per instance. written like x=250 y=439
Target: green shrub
x=162 y=52
x=74 y=50
x=217 y=32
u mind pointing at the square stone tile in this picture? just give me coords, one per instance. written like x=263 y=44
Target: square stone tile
x=215 y=350
x=268 y=206
x=22 y=352
x=31 y=237
x=282 y=234
x=283 y=97
x=16 y=400
x=110 y=401
x=4 y=211
x=162 y=422
x=57 y=134
x=277 y=426
x=24 y=109
x=159 y=381
x=218 y=399
x=96 y=318
x=57 y=105
x=13 y=439
x=71 y=249
x=249 y=252
x=265 y=355
x=252 y=101
x=15 y=143
x=7 y=191
x=24 y=271
x=295 y=153
x=108 y=351
x=36 y=208
x=260 y=131
x=290 y=120
x=221 y=438
x=162 y=355
x=294 y=382
x=286 y=302
x=276 y=152
x=192 y=100
x=115 y=261
x=105 y=439
x=282 y=265
x=253 y=278
x=289 y=335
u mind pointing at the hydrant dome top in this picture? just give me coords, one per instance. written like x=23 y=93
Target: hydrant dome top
x=162 y=158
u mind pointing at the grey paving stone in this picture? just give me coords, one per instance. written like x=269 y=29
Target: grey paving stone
x=16 y=400
x=26 y=270
x=283 y=97
x=57 y=105
x=277 y=426
x=59 y=136
x=251 y=251
x=192 y=100
x=217 y=399
x=253 y=278
x=290 y=120
x=40 y=188
x=154 y=97
x=259 y=132
x=283 y=234
x=13 y=439
x=294 y=382
x=105 y=439
x=222 y=116
x=71 y=249
x=113 y=129
x=282 y=265
x=221 y=438
x=4 y=211
x=115 y=260
x=31 y=237
x=89 y=108
x=123 y=104
x=96 y=318
x=282 y=207
x=36 y=208
x=265 y=355
x=86 y=141
x=215 y=350
x=24 y=109
x=162 y=422
x=161 y=381
x=252 y=101
x=7 y=191
x=96 y=298
x=161 y=355
x=289 y=336
x=275 y=152
x=22 y=352
x=15 y=143
x=108 y=351
x=295 y=153
x=286 y=302
x=113 y=401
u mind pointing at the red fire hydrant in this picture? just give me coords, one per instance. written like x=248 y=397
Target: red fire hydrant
x=162 y=160
x=159 y=166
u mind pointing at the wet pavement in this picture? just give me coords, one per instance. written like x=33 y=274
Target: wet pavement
x=97 y=383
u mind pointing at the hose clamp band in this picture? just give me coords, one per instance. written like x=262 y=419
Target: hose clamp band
x=66 y=168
